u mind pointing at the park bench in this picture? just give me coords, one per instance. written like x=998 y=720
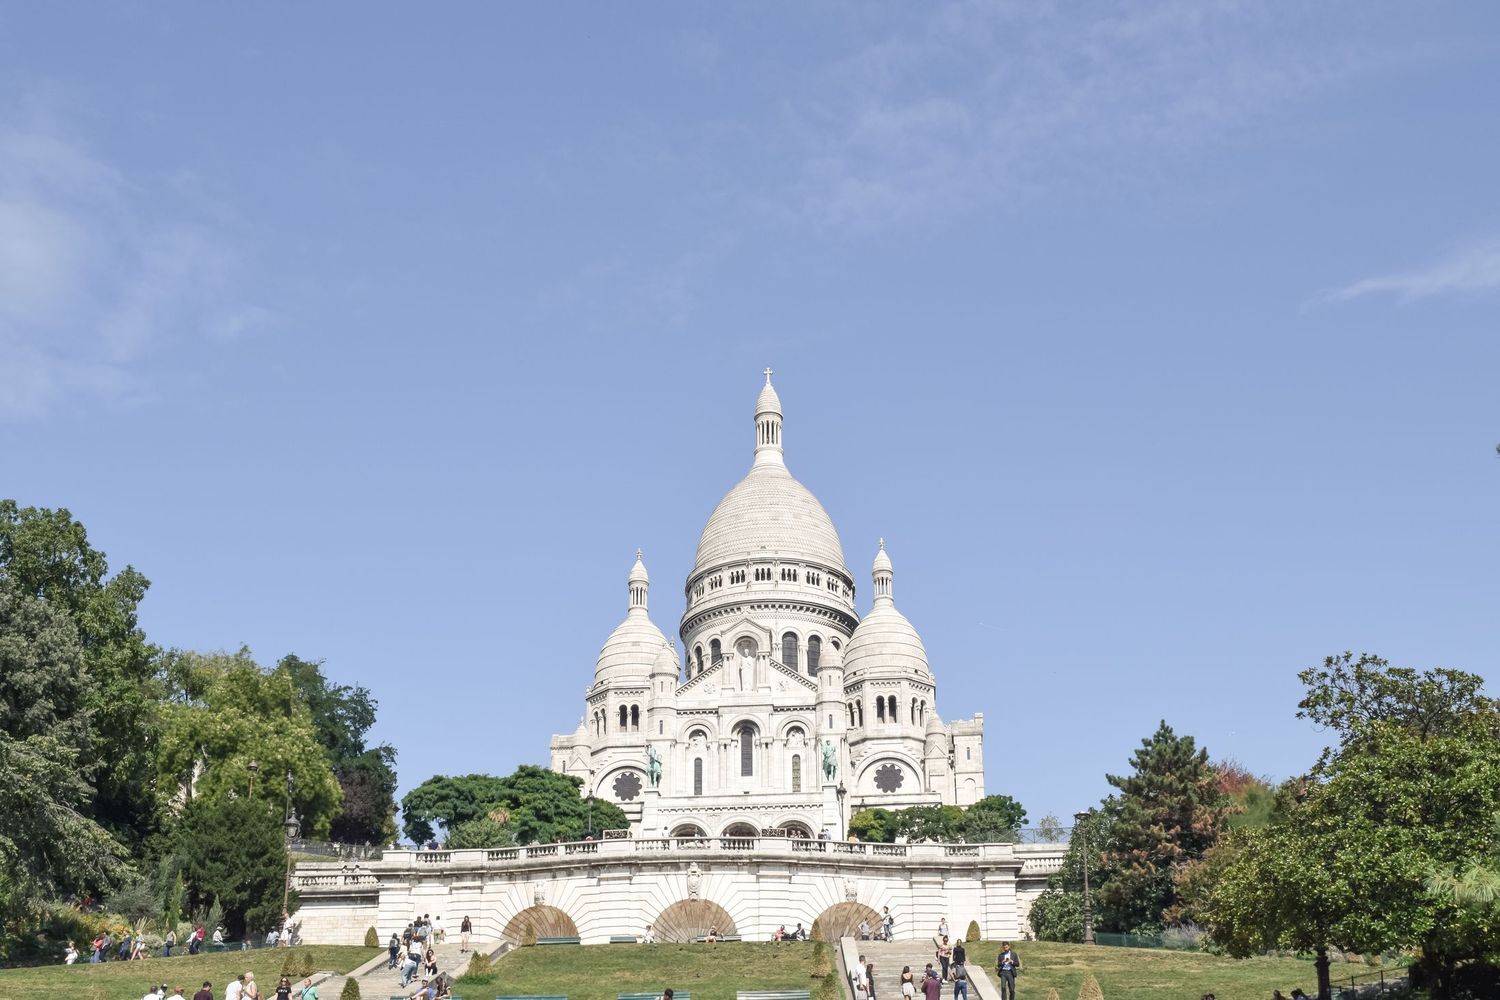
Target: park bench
x=702 y=938
x=773 y=995
x=622 y=939
x=557 y=940
x=655 y=996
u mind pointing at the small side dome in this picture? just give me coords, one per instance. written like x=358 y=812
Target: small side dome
x=884 y=638
x=633 y=647
x=666 y=660
x=934 y=726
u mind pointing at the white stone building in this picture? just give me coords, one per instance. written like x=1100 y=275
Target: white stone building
x=787 y=711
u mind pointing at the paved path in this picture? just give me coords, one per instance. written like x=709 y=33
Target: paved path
x=381 y=982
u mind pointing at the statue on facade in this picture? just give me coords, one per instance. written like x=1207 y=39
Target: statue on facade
x=830 y=761
x=694 y=880
x=653 y=766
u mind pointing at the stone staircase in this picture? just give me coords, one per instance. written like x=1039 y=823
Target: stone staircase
x=379 y=982
x=888 y=959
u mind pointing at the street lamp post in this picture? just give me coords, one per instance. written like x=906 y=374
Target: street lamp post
x=292 y=827
x=252 y=767
x=1088 y=908
x=591 y=813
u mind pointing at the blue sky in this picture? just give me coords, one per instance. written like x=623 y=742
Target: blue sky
x=1161 y=342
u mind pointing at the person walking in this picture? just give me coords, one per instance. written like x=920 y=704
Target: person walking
x=932 y=986
x=169 y=943
x=960 y=957
x=887 y=924
x=943 y=927
x=944 y=957
x=308 y=991
x=464 y=930
x=252 y=988
x=870 y=975
x=908 y=985
x=1007 y=964
x=236 y=987
x=960 y=983
x=395 y=949
x=206 y=993
x=284 y=989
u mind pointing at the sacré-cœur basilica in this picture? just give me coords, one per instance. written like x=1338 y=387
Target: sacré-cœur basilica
x=739 y=758
x=786 y=711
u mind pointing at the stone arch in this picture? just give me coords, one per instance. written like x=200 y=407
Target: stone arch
x=540 y=921
x=842 y=920
x=687 y=919
x=739 y=828
x=911 y=774
x=688 y=829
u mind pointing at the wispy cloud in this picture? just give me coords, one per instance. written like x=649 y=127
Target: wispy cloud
x=978 y=103
x=100 y=274
x=1475 y=269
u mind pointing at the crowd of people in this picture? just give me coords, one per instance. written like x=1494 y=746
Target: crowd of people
x=952 y=967
x=412 y=955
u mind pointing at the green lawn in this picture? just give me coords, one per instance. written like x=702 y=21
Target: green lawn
x=600 y=971
x=1149 y=974
x=130 y=980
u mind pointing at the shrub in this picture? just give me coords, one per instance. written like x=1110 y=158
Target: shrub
x=528 y=937
x=1090 y=989
x=1058 y=916
x=972 y=934
x=351 y=990
x=828 y=989
x=372 y=939
x=298 y=964
x=1052 y=993
x=481 y=971
x=822 y=960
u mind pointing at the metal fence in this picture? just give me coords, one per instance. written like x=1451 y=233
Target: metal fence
x=1145 y=941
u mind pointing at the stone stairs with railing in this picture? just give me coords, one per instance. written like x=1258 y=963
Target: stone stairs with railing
x=380 y=982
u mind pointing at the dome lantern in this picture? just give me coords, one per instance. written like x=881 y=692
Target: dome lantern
x=640 y=584
x=768 y=425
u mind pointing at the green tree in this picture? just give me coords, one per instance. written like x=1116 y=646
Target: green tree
x=342 y=716
x=1057 y=915
x=483 y=832
x=542 y=805
x=48 y=848
x=1349 y=859
x=1170 y=812
x=935 y=824
x=878 y=826
x=226 y=713
x=232 y=852
x=45 y=554
x=1347 y=694
x=993 y=819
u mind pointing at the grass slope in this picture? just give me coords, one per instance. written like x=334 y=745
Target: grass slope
x=130 y=980
x=1148 y=974
x=600 y=972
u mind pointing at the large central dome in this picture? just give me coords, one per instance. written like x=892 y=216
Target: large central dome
x=769 y=513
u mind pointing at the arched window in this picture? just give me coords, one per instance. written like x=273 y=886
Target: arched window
x=922 y=712
x=635 y=718
x=914 y=711
x=850 y=707
x=859 y=708
x=814 y=654
x=890 y=709
x=747 y=750
x=624 y=718
x=715 y=653
x=796 y=772
x=661 y=727
x=789 y=649
x=879 y=709
x=697 y=775
x=698 y=659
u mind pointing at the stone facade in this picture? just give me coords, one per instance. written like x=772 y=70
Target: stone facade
x=750 y=887
x=787 y=710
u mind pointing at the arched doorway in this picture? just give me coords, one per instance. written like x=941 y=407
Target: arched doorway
x=794 y=828
x=687 y=919
x=688 y=830
x=540 y=921
x=842 y=920
x=740 y=830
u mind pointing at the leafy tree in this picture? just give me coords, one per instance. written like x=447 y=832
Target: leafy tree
x=483 y=832
x=1349 y=858
x=48 y=848
x=43 y=677
x=936 y=824
x=228 y=713
x=993 y=819
x=541 y=804
x=1170 y=811
x=368 y=783
x=447 y=802
x=876 y=825
x=342 y=715
x=233 y=854
x=45 y=554
x=1347 y=694
x=1250 y=799
x=1049 y=828
x=1057 y=915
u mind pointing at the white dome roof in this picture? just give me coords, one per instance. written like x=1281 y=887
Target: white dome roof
x=769 y=513
x=884 y=638
x=631 y=649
